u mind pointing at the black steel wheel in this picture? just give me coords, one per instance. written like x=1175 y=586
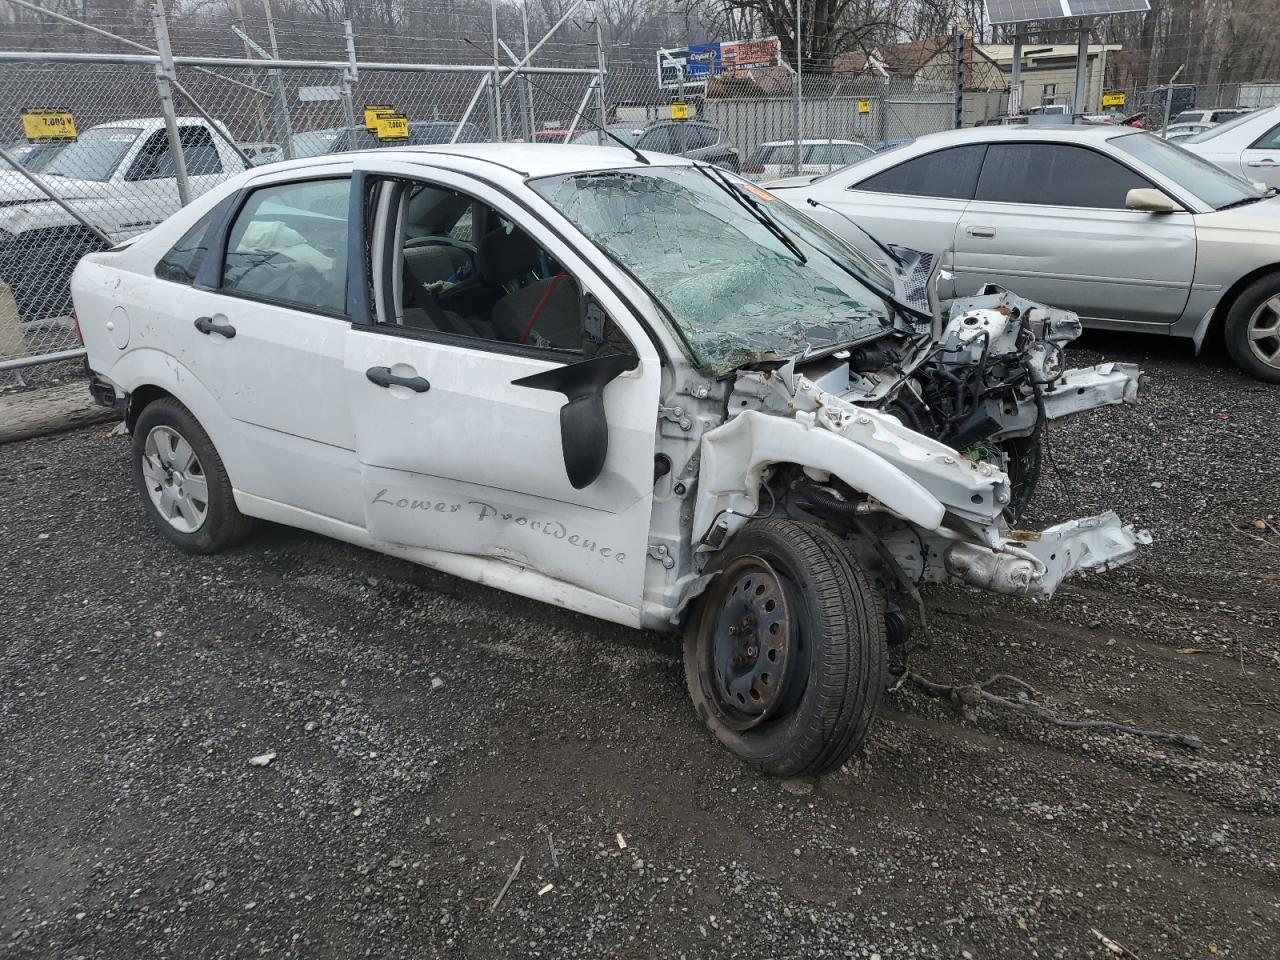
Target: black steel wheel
x=785 y=651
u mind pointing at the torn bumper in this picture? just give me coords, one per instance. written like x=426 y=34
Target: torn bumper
x=1031 y=564
x=1086 y=388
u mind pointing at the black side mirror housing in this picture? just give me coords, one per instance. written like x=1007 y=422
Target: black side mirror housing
x=584 y=430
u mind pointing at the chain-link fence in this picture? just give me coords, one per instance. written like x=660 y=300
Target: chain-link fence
x=153 y=131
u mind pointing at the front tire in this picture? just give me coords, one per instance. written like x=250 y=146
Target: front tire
x=1253 y=329
x=185 y=488
x=785 y=652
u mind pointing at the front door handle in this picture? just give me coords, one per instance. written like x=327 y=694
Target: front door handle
x=206 y=326
x=1264 y=162
x=985 y=233
x=383 y=377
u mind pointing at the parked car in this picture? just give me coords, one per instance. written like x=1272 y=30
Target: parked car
x=777 y=157
x=120 y=176
x=260 y=153
x=1125 y=229
x=880 y=146
x=1176 y=132
x=656 y=398
x=695 y=139
x=314 y=143
x=552 y=135
x=33 y=156
x=1248 y=146
x=623 y=131
x=1212 y=116
x=1005 y=120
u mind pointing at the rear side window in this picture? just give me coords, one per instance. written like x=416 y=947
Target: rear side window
x=182 y=262
x=289 y=245
x=1268 y=141
x=1055 y=175
x=155 y=160
x=950 y=174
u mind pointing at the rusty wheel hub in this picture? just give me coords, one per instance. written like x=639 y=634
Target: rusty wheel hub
x=751 y=645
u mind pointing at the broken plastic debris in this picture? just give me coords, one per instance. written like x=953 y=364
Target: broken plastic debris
x=547 y=889
x=622 y=844
x=262 y=759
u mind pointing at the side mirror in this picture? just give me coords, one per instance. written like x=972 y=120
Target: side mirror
x=584 y=431
x=1149 y=200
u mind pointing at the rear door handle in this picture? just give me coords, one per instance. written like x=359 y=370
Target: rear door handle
x=985 y=233
x=383 y=377
x=206 y=326
x=1264 y=162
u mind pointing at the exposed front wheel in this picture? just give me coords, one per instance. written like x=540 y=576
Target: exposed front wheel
x=184 y=486
x=785 y=652
x=1253 y=329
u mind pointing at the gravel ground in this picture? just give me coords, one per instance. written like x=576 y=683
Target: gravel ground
x=429 y=733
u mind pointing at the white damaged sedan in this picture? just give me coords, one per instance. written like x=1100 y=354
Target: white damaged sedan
x=630 y=385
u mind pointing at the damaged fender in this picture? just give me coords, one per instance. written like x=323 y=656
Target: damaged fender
x=736 y=454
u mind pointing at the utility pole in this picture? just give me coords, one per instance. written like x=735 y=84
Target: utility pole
x=1015 y=79
x=238 y=8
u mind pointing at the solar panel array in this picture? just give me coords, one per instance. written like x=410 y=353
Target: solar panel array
x=1020 y=11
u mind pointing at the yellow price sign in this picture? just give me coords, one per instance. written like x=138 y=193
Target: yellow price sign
x=371 y=111
x=679 y=111
x=48 y=125
x=864 y=106
x=1113 y=98
x=392 y=126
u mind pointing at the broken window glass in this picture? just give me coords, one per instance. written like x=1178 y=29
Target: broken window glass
x=737 y=292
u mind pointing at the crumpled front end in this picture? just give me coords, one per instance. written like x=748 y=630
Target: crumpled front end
x=920 y=506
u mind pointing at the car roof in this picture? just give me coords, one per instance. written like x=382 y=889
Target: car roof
x=1067 y=133
x=524 y=159
x=810 y=143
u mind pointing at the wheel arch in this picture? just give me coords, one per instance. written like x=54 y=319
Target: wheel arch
x=1228 y=299
x=142 y=397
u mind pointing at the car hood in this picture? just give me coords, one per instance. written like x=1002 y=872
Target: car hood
x=16 y=189
x=1260 y=217
x=784 y=182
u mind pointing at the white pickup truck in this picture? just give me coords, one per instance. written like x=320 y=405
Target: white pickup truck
x=120 y=176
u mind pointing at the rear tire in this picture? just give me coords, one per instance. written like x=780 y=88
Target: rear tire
x=1253 y=329
x=185 y=488
x=785 y=652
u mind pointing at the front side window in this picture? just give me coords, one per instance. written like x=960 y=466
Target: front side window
x=734 y=292
x=949 y=174
x=289 y=245
x=659 y=139
x=95 y=155
x=1055 y=175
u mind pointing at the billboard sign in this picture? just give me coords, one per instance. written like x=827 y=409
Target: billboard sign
x=701 y=61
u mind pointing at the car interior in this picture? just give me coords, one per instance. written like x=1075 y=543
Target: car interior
x=458 y=267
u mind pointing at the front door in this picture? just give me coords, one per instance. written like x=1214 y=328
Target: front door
x=1049 y=222
x=456 y=454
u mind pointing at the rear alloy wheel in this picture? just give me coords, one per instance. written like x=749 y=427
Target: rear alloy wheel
x=785 y=651
x=185 y=487
x=1253 y=329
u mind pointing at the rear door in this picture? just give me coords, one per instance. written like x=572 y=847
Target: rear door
x=916 y=203
x=1261 y=159
x=456 y=454
x=1049 y=221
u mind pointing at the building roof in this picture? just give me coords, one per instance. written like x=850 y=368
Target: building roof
x=910 y=59
x=1002 y=53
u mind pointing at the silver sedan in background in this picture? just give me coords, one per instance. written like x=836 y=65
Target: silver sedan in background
x=1130 y=232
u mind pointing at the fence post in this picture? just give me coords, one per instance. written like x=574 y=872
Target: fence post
x=600 y=97
x=496 y=125
x=164 y=74
x=959 y=79
x=796 y=118
x=350 y=76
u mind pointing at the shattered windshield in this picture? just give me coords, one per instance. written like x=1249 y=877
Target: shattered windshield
x=742 y=283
